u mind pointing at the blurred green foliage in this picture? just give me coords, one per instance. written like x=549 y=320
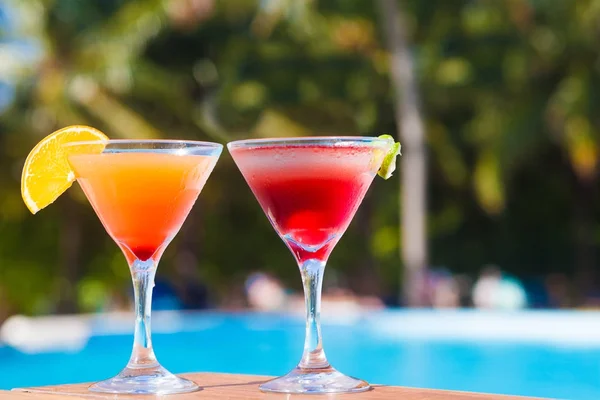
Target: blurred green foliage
x=510 y=100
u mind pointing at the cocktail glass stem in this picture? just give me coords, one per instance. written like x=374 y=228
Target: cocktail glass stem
x=314 y=374
x=312 y=279
x=143 y=373
x=142 y=355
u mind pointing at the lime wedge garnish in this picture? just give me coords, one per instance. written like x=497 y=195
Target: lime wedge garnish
x=389 y=162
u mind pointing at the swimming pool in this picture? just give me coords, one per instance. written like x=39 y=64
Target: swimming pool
x=546 y=354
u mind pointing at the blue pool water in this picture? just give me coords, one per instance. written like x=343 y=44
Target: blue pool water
x=554 y=355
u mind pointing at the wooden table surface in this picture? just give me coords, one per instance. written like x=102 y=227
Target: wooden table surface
x=245 y=387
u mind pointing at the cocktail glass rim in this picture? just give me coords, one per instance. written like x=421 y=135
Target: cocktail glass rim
x=308 y=140
x=183 y=143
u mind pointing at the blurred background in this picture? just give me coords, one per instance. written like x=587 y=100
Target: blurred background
x=494 y=205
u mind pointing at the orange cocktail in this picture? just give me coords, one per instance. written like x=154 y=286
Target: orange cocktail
x=142 y=199
x=142 y=191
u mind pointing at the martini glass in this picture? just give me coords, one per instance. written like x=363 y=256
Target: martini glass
x=310 y=189
x=142 y=191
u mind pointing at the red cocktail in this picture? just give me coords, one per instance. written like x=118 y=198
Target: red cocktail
x=310 y=189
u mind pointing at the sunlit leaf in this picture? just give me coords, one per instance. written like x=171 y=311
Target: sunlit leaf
x=488 y=183
x=582 y=147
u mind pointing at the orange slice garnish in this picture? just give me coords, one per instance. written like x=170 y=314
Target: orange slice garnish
x=47 y=173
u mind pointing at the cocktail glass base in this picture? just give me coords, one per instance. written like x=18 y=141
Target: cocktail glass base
x=155 y=380
x=315 y=381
